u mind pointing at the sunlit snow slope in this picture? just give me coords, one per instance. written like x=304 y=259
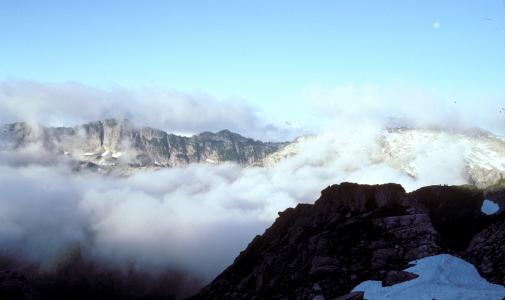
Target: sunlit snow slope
x=433 y=155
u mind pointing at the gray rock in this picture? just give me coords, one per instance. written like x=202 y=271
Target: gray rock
x=395 y=276
x=352 y=296
x=118 y=146
x=487 y=252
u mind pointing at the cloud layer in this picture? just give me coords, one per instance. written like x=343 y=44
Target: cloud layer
x=198 y=218
x=64 y=104
x=396 y=104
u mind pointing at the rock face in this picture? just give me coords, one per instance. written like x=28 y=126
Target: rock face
x=14 y=286
x=357 y=232
x=112 y=144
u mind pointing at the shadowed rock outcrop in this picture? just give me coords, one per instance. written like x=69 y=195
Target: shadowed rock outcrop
x=357 y=232
x=14 y=286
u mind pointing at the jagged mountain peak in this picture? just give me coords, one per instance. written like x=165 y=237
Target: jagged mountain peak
x=118 y=145
x=225 y=135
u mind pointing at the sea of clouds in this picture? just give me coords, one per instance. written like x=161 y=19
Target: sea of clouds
x=197 y=218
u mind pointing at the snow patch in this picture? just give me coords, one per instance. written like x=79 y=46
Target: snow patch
x=489 y=207
x=210 y=161
x=440 y=277
x=117 y=154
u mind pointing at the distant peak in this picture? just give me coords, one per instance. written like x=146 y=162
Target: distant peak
x=224 y=132
x=114 y=121
x=227 y=132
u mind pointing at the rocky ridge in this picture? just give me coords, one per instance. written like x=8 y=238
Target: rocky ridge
x=357 y=232
x=119 y=145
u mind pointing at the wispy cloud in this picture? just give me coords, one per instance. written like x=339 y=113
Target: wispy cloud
x=70 y=103
x=397 y=104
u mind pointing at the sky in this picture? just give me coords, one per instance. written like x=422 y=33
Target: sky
x=270 y=54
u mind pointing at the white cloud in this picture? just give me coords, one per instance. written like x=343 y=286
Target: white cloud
x=64 y=104
x=399 y=104
x=196 y=218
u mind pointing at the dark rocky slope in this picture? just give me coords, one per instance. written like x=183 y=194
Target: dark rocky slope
x=358 y=232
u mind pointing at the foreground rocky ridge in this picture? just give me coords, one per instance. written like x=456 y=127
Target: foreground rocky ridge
x=119 y=145
x=357 y=232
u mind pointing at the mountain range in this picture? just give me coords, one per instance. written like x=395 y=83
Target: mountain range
x=116 y=146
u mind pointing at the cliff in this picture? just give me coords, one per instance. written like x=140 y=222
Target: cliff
x=357 y=232
x=118 y=144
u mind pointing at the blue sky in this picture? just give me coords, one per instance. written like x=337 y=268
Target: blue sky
x=266 y=52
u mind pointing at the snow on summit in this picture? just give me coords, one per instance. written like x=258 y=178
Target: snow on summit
x=432 y=156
